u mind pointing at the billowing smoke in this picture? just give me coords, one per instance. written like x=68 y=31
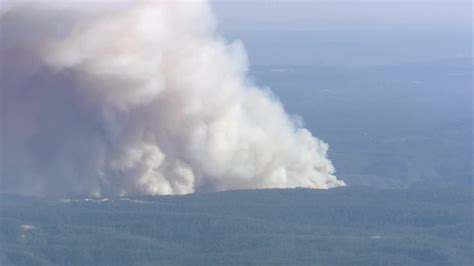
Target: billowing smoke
x=140 y=98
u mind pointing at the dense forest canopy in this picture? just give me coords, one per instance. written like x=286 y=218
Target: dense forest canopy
x=346 y=226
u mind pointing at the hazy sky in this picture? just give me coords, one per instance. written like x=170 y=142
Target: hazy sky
x=343 y=32
x=417 y=14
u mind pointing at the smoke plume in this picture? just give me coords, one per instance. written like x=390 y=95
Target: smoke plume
x=140 y=98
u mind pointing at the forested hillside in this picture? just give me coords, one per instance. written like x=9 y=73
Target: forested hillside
x=346 y=226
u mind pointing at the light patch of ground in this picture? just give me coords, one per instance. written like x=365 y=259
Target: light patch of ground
x=136 y=201
x=87 y=200
x=27 y=227
x=99 y=200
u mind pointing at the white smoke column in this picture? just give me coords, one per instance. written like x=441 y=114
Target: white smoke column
x=144 y=98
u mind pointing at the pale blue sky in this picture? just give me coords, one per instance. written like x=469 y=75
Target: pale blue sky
x=343 y=32
x=416 y=13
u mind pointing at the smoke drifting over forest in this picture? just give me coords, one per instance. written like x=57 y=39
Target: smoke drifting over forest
x=140 y=98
